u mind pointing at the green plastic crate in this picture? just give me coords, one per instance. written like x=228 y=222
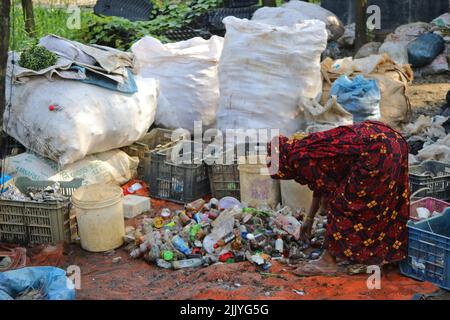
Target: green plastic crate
x=28 y=222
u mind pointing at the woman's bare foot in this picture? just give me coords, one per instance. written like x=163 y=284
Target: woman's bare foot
x=326 y=265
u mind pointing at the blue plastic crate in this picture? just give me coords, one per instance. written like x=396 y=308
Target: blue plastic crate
x=429 y=250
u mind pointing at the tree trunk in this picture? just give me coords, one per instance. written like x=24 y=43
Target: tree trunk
x=270 y=3
x=5 y=6
x=361 y=23
x=28 y=17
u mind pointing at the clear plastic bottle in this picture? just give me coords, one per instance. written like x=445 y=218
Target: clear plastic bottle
x=187 y=263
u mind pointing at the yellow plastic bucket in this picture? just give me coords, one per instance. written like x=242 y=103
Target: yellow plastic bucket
x=99 y=212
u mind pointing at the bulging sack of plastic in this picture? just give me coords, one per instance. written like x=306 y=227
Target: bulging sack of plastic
x=360 y=96
x=51 y=283
x=425 y=49
x=396 y=43
x=264 y=70
x=107 y=167
x=188 y=76
x=91 y=119
x=294 y=12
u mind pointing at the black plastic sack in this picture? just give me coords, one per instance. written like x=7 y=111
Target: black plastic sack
x=425 y=49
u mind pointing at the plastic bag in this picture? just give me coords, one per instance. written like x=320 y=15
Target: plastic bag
x=92 y=119
x=425 y=49
x=360 y=96
x=263 y=72
x=188 y=76
x=52 y=283
x=107 y=167
x=294 y=12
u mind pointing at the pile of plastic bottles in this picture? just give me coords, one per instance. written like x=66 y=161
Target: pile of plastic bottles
x=223 y=231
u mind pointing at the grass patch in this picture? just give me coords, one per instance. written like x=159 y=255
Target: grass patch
x=49 y=20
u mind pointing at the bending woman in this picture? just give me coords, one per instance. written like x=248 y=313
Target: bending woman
x=360 y=174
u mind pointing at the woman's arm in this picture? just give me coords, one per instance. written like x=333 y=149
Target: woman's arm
x=309 y=220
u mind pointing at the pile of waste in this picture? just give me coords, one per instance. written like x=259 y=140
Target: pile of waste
x=224 y=231
x=50 y=193
x=428 y=139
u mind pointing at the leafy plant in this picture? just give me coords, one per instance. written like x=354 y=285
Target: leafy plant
x=167 y=15
x=37 y=58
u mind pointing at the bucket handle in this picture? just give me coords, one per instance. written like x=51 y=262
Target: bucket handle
x=419 y=191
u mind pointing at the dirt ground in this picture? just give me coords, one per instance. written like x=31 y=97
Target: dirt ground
x=428 y=94
x=101 y=278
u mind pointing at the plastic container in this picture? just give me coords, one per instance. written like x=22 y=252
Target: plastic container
x=186 y=34
x=429 y=250
x=134 y=10
x=437 y=182
x=239 y=3
x=28 y=222
x=432 y=204
x=257 y=187
x=180 y=182
x=99 y=211
x=143 y=147
x=224 y=180
x=295 y=196
x=215 y=17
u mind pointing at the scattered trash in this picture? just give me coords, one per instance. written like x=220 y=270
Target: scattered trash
x=233 y=234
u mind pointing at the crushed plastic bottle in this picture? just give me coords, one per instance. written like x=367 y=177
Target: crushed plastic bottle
x=181 y=245
x=187 y=263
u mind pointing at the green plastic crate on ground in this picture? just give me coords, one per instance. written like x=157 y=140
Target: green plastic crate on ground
x=28 y=222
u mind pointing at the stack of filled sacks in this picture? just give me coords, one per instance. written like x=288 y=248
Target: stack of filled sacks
x=74 y=116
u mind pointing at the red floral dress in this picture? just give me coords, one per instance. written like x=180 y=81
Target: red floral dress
x=362 y=172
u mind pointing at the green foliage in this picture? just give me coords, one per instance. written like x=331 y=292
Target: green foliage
x=49 y=20
x=122 y=33
x=37 y=58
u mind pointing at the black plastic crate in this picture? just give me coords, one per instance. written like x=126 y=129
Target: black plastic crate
x=239 y=3
x=224 y=180
x=216 y=16
x=433 y=175
x=176 y=181
x=134 y=10
x=186 y=34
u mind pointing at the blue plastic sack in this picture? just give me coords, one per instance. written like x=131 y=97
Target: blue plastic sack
x=359 y=96
x=55 y=284
x=423 y=50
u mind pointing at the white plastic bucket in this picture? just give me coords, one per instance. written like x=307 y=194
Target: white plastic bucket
x=99 y=211
x=257 y=187
x=295 y=196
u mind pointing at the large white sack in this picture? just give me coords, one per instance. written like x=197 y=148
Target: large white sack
x=294 y=12
x=93 y=119
x=265 y=70
x=113 y=166
x=188 y=76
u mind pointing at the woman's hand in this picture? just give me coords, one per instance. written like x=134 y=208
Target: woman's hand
x=306 y=229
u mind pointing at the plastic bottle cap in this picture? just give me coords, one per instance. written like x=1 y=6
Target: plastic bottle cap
x=167 y=255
